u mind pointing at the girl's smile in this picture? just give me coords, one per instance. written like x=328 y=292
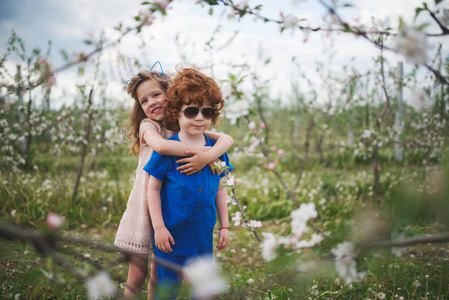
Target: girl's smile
x=151 y=98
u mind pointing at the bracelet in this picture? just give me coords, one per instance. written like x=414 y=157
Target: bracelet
x=223 y=228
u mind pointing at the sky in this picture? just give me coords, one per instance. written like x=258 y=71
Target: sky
x=68 y=23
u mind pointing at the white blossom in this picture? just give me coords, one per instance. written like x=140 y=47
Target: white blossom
x=54 y=220
x=204 y=278
x=237 y=110
x=252 y=126
x=345 y=263
x=100 y=286
x=420 y=99
x=269 y=246
x=254 y=224
x=237 y=218
x=412 y=44
x=301 y=216
x=290 y=21
x=315 y=239
x=243 y=4
x=397 y=251
x=230 y=179
x=366 y=134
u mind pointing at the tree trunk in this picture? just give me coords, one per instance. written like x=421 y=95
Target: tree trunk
x=85 y=145
x=398 y=151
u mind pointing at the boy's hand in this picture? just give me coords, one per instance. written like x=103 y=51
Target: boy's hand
x=163 y=239
x=223 y=238
x=193 y=164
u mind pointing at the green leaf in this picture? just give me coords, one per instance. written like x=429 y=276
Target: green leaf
x=211 y=2
x=80 y=71
x=88 y=42
x=241 y=79
x=145 y=3
x=64 y=54
x=437 y=1
x=422 y=26
x=417 y=11
x=211 y=11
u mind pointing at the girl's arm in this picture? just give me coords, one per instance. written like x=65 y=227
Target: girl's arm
x=223 y=143
x=162 y=236
x=201 y=155
x=222 y=210
x=167 y=147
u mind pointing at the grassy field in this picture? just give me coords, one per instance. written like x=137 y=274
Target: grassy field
x=343 y=200
x=421 y=273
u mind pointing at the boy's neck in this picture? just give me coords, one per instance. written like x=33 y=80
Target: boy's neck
x=198 y=140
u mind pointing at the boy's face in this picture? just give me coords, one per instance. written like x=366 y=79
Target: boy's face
x=196 y=125
x=151 y=98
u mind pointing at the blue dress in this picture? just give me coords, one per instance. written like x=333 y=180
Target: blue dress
x=188 y=209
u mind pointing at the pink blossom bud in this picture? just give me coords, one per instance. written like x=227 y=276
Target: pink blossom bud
x=54 y=220
x=280 y=152
x=263 y=126
x=274 y=148
x=252 y=126
x=43 y=61
x=271 y=166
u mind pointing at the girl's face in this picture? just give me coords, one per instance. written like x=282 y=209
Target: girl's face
x=196 y=125
x=151 y=97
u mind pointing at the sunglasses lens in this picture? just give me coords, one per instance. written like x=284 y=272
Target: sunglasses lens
x=191 y=112
x=208 y=113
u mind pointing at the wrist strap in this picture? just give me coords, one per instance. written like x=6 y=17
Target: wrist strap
x=223 y=228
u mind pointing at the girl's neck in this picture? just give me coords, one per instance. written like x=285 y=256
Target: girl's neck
x=197 y=140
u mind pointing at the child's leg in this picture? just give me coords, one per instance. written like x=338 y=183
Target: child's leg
x=137 y=273
x=152 y=282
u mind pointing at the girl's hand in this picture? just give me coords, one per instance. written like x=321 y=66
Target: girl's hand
x=193 y=164
x=212 y=165
x=163 y=239
x=223 y=238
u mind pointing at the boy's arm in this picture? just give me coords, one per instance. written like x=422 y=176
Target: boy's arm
x=222 y=210
x=223 y=143
x=162 y=236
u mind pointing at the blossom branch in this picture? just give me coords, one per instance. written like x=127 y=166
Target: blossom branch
x=243 y=213
x=45 y=244
x=241 y=12
x=443 y=28
x=278 y=175
x=83 y=57
x=430 y=239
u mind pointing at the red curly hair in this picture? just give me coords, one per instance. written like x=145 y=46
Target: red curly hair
x=191 y=87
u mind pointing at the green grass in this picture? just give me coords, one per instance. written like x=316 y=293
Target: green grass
x=421 y=271
x=343 y=198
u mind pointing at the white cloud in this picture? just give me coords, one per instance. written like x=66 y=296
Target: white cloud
x=68 y=23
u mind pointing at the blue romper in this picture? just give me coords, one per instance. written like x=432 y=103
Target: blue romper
x=188 y=209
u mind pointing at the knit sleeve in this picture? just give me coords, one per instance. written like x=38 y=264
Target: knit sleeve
x=146 y=124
